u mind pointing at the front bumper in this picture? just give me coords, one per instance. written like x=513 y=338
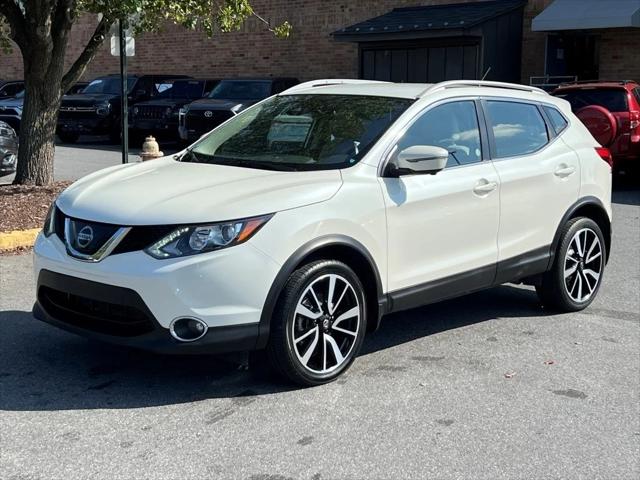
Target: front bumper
x=226 y=289
x=89 y=125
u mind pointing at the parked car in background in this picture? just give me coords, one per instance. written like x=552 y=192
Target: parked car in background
x=295 y=226
x=227 y=99
x=611 y=112
x=8 y=149
x=11 y=107
x=11 y=110
x=10 y=88
x=96 y=110
x=159 y=116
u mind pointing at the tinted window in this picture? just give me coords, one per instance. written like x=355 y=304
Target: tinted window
x=241 y=90
x=518 y=128
x=558 y=122
x=300 y=132
x=636 y=92
x=108 y=85
x=613 y=99
x=191 y=89
x=453 y=126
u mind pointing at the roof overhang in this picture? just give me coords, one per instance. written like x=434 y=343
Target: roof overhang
x=587 y=14
x=431 y=21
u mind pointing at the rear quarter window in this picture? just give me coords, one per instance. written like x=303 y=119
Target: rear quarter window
x=558 y=122
x=613 y=99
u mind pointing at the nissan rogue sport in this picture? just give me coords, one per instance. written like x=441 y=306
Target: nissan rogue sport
x=293 y=227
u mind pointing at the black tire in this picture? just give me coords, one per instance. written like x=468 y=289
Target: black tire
x=68 y=137
x=281 y=352
x=554 y=292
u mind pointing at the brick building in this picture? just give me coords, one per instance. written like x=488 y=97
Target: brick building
x=318 y=46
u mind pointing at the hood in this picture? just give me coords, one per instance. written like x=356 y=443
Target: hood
x=218 y=104
x=164 y=191
x=89 y=99
x=11 y=102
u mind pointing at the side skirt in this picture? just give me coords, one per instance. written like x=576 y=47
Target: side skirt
x=514 y=269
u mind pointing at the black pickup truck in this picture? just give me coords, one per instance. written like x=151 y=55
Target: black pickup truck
x=226 y=100
x=159 y=117
x=96 y=110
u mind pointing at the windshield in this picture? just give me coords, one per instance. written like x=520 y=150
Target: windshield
x=300 y=132
x=241 y=89
x=191 y=89
x=109 y=85
x=613 y=99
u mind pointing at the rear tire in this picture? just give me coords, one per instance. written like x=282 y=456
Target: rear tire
x=319 y=323
x=578 y=267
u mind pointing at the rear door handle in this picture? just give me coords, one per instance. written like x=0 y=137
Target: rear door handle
x=564 y=171
x=484 y=187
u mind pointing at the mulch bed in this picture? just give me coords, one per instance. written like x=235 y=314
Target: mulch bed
x=23 y=207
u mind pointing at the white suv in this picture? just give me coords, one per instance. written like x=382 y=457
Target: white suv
x=292 y=228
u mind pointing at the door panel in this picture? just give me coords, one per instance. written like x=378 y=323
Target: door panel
x=539 y=176
x=438 y=226
x=444 y=225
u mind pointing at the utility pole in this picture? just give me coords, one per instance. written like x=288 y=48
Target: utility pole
x=124 y=92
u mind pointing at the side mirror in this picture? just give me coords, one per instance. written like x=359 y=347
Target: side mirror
x=418 y=159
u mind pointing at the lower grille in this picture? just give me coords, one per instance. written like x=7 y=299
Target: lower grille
x=94 y=315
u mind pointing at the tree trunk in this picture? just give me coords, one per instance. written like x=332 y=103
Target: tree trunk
x=38 y=130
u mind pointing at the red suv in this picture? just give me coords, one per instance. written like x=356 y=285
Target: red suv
x=611 y=112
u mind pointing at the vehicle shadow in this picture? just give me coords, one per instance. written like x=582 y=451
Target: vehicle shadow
x=45 y=369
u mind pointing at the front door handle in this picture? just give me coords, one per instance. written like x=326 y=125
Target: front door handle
x=564 y=171
x=484 y=187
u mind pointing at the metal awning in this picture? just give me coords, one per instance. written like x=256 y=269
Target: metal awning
x=588 y=14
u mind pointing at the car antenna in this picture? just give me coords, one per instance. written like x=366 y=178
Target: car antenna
x=485 y=74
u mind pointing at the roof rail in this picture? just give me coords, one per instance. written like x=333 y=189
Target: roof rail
x=582 y=82
x=480 y=83
x=325 y=82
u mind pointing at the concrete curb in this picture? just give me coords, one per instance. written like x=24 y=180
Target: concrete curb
x=18 y=238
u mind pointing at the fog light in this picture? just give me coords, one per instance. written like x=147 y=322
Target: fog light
x=188 y=329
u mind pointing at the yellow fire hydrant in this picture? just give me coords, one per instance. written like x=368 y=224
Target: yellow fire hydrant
x=150 y=149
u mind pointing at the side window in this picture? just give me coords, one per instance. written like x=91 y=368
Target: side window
x=558 y=122
x=636 y=93
x=453 y=126
x=518 y=128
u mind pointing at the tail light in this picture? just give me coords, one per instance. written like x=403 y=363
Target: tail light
x=605 y=155
x=634 y=123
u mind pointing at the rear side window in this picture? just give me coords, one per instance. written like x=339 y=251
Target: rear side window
x=518 y=128
x=613 y=99
x=558 y=122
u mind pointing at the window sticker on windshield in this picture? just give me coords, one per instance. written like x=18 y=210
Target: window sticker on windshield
x=290 y=128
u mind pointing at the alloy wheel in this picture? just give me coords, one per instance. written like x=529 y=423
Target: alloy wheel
x=326 y=324
x=583 y=265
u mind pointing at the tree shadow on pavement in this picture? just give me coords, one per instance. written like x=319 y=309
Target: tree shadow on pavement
x=46 y=369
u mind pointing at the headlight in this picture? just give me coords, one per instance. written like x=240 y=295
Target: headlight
x=104 y=109
x=50 y=221
x=8 y=159
x=189 y=240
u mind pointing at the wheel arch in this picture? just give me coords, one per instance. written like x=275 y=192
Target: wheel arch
x=334 y=247
x=589 y=207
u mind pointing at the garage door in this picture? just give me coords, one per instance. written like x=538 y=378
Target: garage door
x=420 y=64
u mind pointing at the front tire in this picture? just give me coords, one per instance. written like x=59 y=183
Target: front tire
x=319 y=323
x=576 y=274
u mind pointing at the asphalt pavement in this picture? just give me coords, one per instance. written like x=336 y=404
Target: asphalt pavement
x=488 y=386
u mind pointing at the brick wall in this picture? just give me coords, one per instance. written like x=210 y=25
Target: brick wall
x=309 y=52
